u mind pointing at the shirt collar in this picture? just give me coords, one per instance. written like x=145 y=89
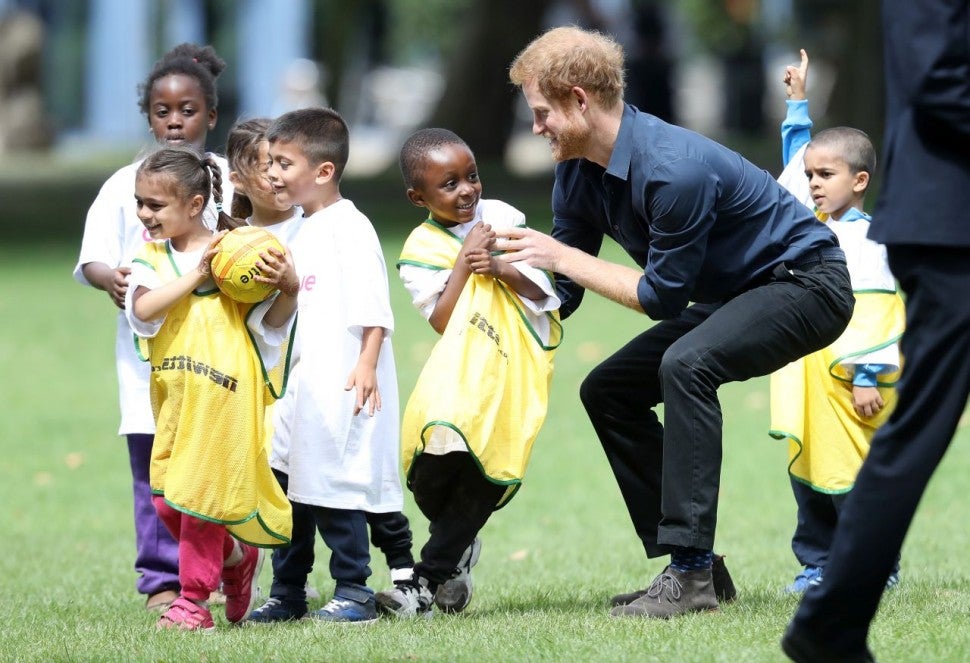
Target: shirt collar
x=854 y=215
x=622 y=155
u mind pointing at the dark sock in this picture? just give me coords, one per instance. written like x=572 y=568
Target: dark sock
x=691 y=559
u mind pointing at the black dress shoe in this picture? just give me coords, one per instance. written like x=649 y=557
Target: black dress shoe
x=802 y=649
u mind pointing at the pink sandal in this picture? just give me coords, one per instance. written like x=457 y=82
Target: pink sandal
x=184 y=615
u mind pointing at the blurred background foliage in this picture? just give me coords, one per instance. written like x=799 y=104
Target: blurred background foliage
x=388 y=66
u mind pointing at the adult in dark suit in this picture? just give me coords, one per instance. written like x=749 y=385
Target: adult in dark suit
x=921 y=216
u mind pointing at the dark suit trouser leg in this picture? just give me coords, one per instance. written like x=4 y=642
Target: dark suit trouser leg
x=669 y=474
x=905 y=452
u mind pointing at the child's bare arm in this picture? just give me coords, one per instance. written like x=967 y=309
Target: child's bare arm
x=796 y=78
x=152 y=304
x=114 y=281
x=481 y=261
x=364 y=376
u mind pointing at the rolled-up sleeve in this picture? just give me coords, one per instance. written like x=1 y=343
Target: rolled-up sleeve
x=681 y=202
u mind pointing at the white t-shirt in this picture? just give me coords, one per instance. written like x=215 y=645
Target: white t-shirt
x=333 y=458
x=426 y=285
x=113 y=235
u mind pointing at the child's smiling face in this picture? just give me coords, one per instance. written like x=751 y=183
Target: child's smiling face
x=162 y=208
x=293 y=179
x=256 y=184
x=449 y=186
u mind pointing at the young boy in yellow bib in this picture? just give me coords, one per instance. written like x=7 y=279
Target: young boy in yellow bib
x=469 y=425
x=830 y=403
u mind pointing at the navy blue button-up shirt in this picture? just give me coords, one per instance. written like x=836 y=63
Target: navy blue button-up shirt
x=703 y=222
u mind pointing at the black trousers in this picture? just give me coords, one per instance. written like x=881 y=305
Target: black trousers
x=669 y=473
x=390 y=532
x=457 y=500
x=905 y=451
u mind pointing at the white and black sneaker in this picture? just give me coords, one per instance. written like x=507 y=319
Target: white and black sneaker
x=406 y=600
x=455 y=594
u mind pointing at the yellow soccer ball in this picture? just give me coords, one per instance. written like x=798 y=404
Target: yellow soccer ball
x=234 y=266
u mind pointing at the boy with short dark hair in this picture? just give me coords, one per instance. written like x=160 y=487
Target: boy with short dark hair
x=343 y=415
x=830 y=403
x=469 y=425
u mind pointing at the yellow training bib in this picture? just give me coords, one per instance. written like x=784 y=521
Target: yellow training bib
x=488 y=376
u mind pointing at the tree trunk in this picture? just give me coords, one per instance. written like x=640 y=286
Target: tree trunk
x=857 y=99
x=479 y=101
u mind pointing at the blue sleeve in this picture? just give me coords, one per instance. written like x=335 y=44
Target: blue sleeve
x=683 y=200
x=573 y=231
x=796 y=129
x=866 y=375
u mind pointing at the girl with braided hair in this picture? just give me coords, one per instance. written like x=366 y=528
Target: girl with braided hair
x=215 y=363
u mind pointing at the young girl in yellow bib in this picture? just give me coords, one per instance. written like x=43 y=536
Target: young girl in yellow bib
x=468 y=428
x=214 y=363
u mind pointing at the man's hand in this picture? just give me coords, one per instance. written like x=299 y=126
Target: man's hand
x=535 y=248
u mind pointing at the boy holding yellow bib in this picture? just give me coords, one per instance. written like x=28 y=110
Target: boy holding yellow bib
x=468 y=428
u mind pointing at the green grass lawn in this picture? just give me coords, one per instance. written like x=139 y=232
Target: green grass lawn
x=550 y=561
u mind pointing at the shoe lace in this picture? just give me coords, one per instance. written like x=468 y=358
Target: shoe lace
x=270 y=604
x=334 y=605
x=663 y=585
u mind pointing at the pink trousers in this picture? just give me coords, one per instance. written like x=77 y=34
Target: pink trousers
x=203 y=546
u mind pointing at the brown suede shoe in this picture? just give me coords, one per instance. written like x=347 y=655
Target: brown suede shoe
x=724 y=588
x=673 y=593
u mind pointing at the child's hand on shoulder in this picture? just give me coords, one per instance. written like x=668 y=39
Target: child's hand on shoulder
x=796 y=78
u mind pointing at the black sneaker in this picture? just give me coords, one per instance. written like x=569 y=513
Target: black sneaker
x=276 y=610
x=724 y=588
x=673 y=593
